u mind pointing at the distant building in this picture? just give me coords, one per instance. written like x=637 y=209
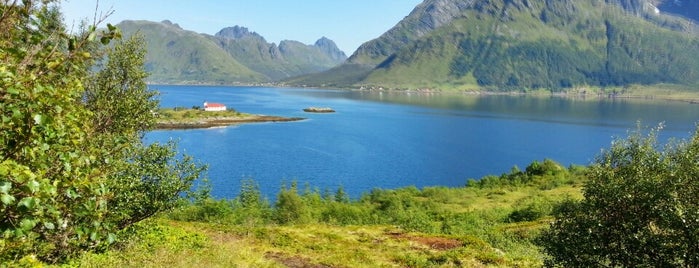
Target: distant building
x=212 y=107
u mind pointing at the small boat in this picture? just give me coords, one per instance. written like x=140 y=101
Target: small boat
x=319 y=110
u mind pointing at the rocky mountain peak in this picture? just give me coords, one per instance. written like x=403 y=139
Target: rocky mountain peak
x=236 y=32
x=169 y=23
x=329 y=47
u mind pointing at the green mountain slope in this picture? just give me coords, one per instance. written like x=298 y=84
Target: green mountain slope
x=179 y=56
x=232 y=56
x=519 y=44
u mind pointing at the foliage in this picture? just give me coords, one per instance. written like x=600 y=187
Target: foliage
x=117 y=94
x=73 y=170
x=54 y=197
x=290 y=207
x=249 y=208
x=432 y=227
x=546 y=174
x=640 y=209
x=495 y=222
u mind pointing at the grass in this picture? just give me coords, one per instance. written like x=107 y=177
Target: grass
x=470 y=226
x=183 y=114
x=314 y=245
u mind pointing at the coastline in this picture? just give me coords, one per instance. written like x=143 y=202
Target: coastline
x=663 y=92
x=221 y=121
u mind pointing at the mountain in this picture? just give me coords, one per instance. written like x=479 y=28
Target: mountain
x=175 y=55
x=519 y=44
x=290 y=58
x=234 y=55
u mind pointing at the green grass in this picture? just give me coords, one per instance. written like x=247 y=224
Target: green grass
x=470 y=226
x=184 y=114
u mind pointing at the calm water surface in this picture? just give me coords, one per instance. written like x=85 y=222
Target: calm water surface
x=381 y=140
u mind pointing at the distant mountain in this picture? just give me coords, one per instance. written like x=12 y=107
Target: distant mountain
x=175 y=55
x=233 y=55
x=290 y=58
x=519 y=44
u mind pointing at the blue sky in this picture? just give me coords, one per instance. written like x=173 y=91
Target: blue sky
x=347 y=22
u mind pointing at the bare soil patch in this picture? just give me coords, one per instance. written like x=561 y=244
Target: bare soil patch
x=436 y=243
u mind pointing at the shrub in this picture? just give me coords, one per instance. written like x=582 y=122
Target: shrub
x=290 y=208
x=640 y=208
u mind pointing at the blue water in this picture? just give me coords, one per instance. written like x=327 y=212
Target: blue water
x=382 y=140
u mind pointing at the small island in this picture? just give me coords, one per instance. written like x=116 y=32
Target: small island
x=183 y=118
x=319 y=110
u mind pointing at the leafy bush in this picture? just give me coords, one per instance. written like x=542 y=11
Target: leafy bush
x=531 y=209
x=546 y=174
x=290 y=207
x=345 y=214
x=640 y=209
x=73 y=170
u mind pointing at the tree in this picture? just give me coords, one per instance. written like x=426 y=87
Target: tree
x=640 y=209
x=144 y=179
x=290 y=207
x=117 y=94
x=69 y=183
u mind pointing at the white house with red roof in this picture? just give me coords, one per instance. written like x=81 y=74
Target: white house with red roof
x=213 y=107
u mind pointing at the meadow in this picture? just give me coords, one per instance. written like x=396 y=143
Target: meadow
x=492 y=222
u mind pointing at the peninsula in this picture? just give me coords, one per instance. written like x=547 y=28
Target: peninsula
x=182 y=118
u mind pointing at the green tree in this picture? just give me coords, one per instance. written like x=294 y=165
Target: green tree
x=251 y=207
x=144 y=179
x=640 y=209
x=290 y=207
x=117 y=94
x=69 y=183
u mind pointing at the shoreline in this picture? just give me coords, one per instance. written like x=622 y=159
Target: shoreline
x=661 y=92
x=221 y=122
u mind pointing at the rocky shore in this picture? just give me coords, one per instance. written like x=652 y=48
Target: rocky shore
x=222 y=121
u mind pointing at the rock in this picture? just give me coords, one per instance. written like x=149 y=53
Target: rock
x=319 y=110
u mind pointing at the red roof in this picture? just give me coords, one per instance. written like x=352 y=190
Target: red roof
x=212 y=104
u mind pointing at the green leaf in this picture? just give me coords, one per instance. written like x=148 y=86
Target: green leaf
x=39 y=119
x=28 y=202
x=111 y=27
x=27 y=224
x=71 y=44
x=33 y=186
x=70 y=193
x=104 y=40
x=49 y=225
x=7 y=199
x=111 y=238
x=5 y=187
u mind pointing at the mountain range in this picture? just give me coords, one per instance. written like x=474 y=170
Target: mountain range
x=522 y=44
x=234 y=55
x=455 y=44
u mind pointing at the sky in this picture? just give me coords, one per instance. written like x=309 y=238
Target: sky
x=347 y=22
